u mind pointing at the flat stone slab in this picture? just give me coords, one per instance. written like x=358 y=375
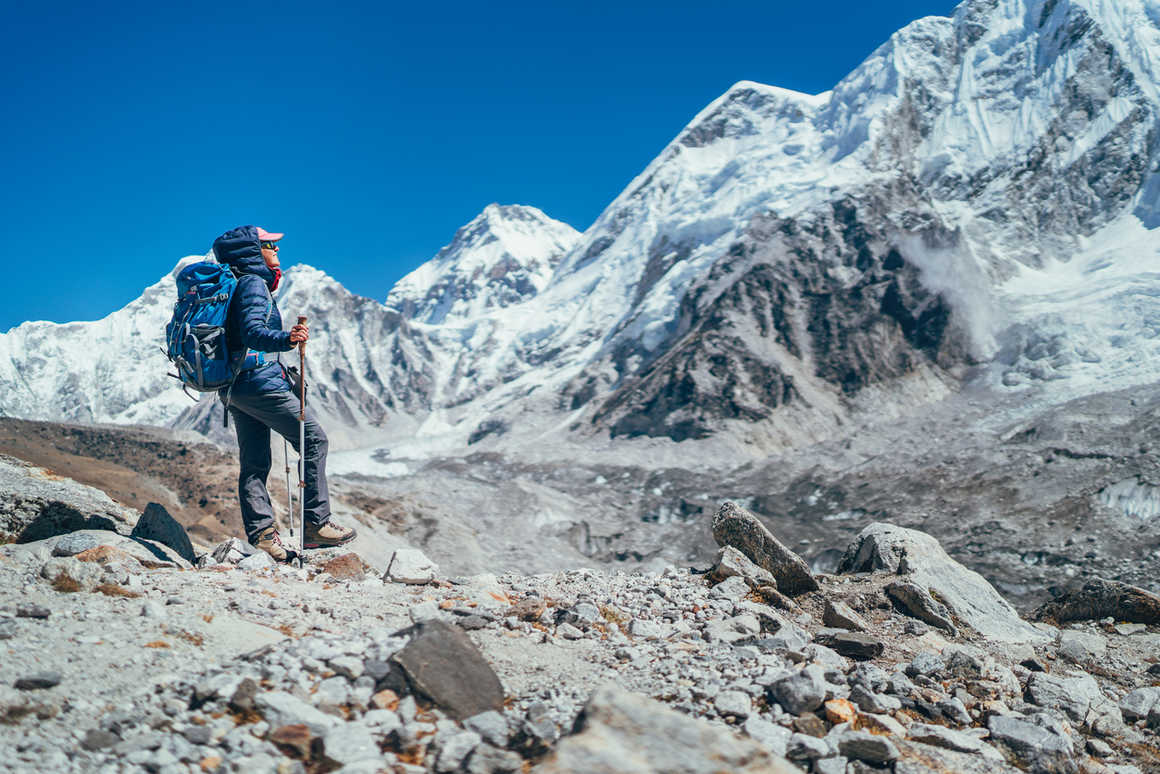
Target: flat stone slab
x=442 y=665
x=734 y=526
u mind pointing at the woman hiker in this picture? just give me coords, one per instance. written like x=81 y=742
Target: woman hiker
x=262 y=398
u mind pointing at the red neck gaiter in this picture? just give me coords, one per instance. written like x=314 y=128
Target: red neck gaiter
x=277 y=279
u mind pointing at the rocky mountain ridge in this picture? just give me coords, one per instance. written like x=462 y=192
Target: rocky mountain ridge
x=785 y=261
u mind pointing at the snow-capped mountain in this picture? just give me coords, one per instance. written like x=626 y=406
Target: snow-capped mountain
x=502 y=257
x=975 y=200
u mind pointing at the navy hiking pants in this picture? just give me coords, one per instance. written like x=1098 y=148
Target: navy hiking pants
x=254 y=417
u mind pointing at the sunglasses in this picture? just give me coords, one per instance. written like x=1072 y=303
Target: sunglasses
x=269 y=245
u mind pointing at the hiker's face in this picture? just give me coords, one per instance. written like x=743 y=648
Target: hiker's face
x=270 y=254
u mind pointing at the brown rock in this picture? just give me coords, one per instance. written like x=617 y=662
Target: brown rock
x=810 y=724
x=1099 y=598
x=346 y=567
x=840 y=711
x=385 y=699
x=737 y=527
x=774 y=598
x=106 y=554
x=529 y=608
x=297 y=741
x=210 y=763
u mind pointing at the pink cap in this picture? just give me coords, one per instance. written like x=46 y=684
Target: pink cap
x=268 y=236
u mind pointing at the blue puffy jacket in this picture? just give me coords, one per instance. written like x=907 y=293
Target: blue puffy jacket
x=248 y=324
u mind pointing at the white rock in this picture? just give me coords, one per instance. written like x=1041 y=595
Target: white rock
x=281 y=709
x=410 y=565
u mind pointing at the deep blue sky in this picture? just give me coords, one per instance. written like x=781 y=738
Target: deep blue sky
x=133 y=134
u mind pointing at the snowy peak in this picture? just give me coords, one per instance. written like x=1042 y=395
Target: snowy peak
x=505 y=255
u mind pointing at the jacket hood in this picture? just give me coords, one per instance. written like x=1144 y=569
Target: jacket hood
x=240 y=249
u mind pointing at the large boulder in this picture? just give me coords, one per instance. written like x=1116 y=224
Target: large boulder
x=734 y=526
x=1099 y=598
x=35 y=504
x=917 y=556
x=157 y=525
x=626 y=733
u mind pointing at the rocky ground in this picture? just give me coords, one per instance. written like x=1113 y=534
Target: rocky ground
x=121 y=655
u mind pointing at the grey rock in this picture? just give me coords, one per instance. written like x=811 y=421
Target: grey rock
x=38 y=681
x=348 y=743
x=151 y=608
x=737 y=527
x=648 y=630
x=98 y=739
x=349 y=667
x=1035 y=742
x=281 y=709
x=489 y=759
x=949 y=739
x=731 y=563
x=864 y=746
x=73 y=544
x=914 y=600
x=1138 y=704
x=622 y=731
x=35 y=505
x=259 y=560
x=569 y=632
x=410 y=565
x=454 y=749
x=803 y=747
x=953 y=710
x=491 y=726
x=86 y=574
x=8 y=628
x=868 y=701
x=232 y=551
x=1077 y=695
x=1082 y=647
x=801 y=690
x=919 y=758
x=852 y=644
x=733 y=703
x=841 y=616
x=156 y=524
x=443 y=665
x=1128 y=629
x=769 y=735
x=926 y=663
x=834 y=765
x=923 y=561
x=734 y=588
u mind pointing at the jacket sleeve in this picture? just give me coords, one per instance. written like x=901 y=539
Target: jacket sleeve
x=253 y=308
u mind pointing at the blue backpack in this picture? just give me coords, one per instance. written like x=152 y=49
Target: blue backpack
x=196 y=334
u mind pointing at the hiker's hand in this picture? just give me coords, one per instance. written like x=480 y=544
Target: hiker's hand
x=299 y=334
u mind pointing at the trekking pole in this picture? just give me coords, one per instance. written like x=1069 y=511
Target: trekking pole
x=289 y=493
x=302 y=441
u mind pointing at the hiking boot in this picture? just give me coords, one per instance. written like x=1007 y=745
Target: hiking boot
x=271 y=542
x=329 y=534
